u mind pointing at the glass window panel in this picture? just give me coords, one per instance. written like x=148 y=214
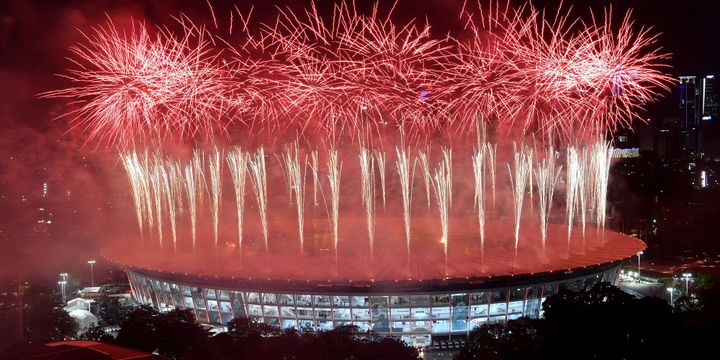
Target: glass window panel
x=341 y=313
x=421 y=313
x=303 y=300
x=478 y=311
x=548 y=290
x=460 y=312
x=305 y=325
x=252 y=297
x=399 y=301
x=324 y=325
x=420 y=326
x=226 y=318
x=498 y=309
x=199 y=301
x=214 y=317
x=237 y=304
x=342 y=323
x=321 y=300
x=379 y=313
x=341 y=301
x=287 y=299
x=499 y=296
x=478 y=298
x=531 y=308
x=287 y=311
x=440 y=299
x=225 y=307
x=202 y=316
x=361 y=314
x=441 y=312
x=286 y=324
x=224 y=295
x=212 y=305
x=188 y=303
x=362 y=325
x=360 y=301
x=419 y=300
x=515 y=307
x=254 y=310
x=270 y=310
x=401 y=326
x=517 y=294
x=400 y=314
x=323 y=314
x=210 y=294
x=269 y=299
x=273 y=321
x=305 y=312
x=441 y=326
x=514 y=316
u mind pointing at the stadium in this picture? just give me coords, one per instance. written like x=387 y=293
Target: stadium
x=413 y=300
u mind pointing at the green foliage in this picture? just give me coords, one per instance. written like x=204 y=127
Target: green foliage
x=44 y=319
x=175 y=334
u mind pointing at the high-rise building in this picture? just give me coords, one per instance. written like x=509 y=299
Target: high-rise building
x=698 y=115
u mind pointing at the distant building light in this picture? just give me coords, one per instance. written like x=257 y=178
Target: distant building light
x=626 y=153
x=703 y=179
x=710 y=76
x=707 y=117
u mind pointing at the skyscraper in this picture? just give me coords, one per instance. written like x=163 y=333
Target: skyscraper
x=698 y=114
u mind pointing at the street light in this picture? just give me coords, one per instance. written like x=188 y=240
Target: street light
x=638 y=272
x=92 y=275
x=671 y=290
x=687 y=277
x=62 y=290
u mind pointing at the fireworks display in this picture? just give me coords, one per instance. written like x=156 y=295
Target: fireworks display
x=351 y=72
x=350 y=85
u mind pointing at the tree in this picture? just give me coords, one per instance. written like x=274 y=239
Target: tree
x=44 y=319
x=515 y=339
x=96 y=333
x=175 y=334
x=111 y=311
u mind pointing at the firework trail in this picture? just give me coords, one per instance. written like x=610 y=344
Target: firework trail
x=573 y=176
x=334 y=173
x=602 y=153
x=171 y=180
x=134 y=172
x=406 y=183
x=191 y=192
x=367 y=181
x=259 y=181
x=237 y=162
x=145 y=171
x=198 y=162
x=314 y=163
x=156 y=180
x=131 y=85
x=215 y=166
x=478 y=162
x=442 y=187
x=427 y=177
x=583 y=187
x=447 y=161
x=380 y=160
x=519 y=174
x=546 y=177
x=296 y=179
x=491 y=151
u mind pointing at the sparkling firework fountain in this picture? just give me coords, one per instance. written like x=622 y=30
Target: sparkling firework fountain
x=573 y=177
x=427 y=177
x=402 y=164
x=367 y=180
x=258 y=175
x=442 y=187
x=478 y=161
x=215 y=166
x=237 y=162
x=546 y=178
x=295 y=176
x=519 y=176
x=380 y=160
x=334 y=173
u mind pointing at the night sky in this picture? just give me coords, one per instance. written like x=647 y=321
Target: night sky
x=35 y=36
